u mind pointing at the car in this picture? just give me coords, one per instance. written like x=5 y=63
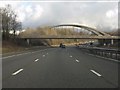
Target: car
x=61 y=45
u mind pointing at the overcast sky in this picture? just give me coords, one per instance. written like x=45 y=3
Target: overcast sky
x=95 y=14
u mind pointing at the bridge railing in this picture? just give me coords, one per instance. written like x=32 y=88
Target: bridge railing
x=109 y=53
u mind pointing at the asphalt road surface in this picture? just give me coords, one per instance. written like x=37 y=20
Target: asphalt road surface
x=58 y=68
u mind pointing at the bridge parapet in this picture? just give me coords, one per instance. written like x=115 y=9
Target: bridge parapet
x=70 y=37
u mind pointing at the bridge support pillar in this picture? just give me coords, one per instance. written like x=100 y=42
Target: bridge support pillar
x=112 y=42
x=28 y=41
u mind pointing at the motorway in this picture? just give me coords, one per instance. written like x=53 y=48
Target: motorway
x=58 y=68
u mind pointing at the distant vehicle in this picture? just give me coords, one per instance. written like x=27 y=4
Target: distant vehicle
x=61 y=45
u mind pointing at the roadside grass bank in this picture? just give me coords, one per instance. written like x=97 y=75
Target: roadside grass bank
x=9 y=48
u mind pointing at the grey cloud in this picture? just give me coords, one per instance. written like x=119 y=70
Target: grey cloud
x=91 y=13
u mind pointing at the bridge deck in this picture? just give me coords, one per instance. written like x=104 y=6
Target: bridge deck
x=70 y=37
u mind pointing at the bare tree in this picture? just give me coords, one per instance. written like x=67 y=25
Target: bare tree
x=9 y=21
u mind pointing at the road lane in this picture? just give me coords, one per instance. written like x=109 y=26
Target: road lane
x=57 y=69
x=108 y=68
x=11 y=64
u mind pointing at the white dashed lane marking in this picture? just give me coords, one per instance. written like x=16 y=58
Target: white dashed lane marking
x=43 y=55
x=36 y=60
x=70 y=56
x=15 y=73
x=96 y=73
x=77 y=60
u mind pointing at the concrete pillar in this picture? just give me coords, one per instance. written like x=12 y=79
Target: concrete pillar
x=112 y=42
x=28 y=41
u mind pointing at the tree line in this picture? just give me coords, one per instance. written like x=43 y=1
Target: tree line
x=8 y=20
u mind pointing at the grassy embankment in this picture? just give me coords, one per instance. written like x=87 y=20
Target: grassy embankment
x=8 y=47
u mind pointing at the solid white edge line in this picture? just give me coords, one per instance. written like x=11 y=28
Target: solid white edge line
x=8 y=57
x=15 y=73
x=104 y=57
x=96 y=73
x=21 y=54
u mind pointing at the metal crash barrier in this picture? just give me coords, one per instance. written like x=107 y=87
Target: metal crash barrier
x=109 y=53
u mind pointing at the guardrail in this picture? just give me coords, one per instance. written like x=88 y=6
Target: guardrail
x=109 y=53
